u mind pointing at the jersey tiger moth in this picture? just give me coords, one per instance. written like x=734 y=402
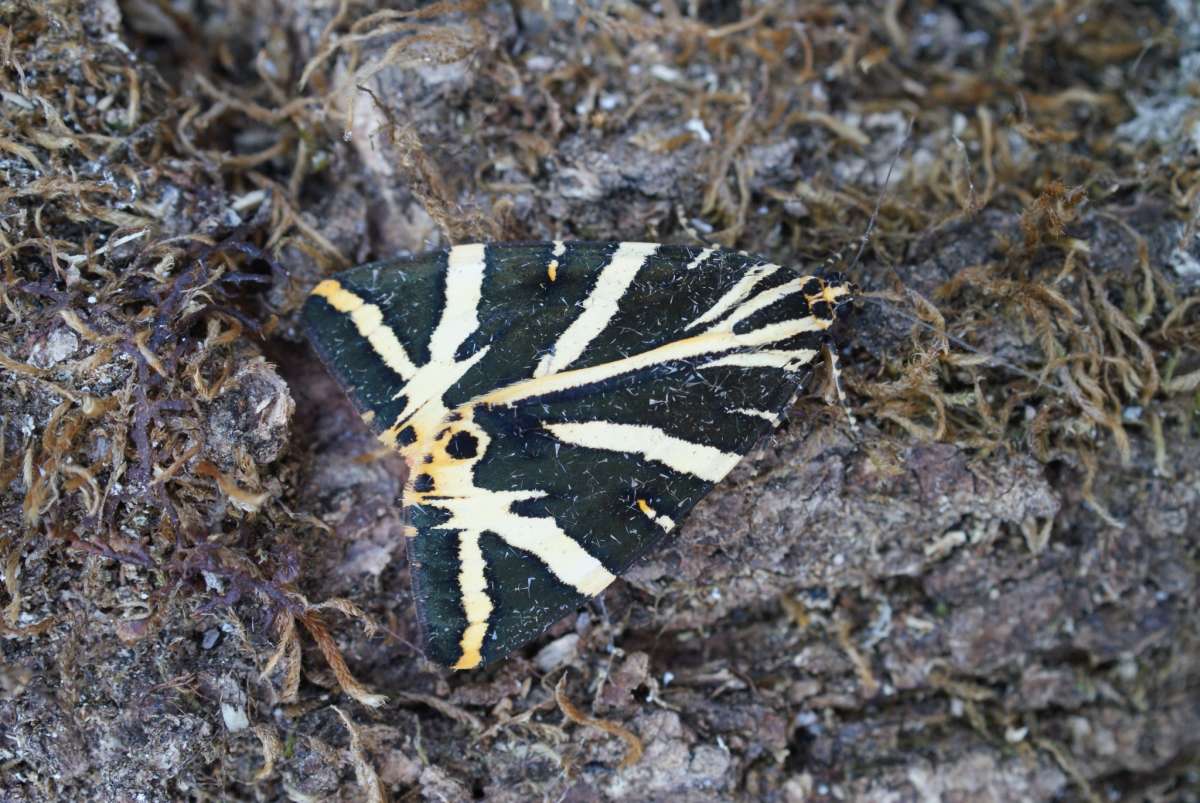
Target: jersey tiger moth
x=561 y=406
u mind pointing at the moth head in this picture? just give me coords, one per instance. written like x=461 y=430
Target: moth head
x=839 y=291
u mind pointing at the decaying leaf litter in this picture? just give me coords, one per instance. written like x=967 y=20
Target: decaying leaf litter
x=986 y=593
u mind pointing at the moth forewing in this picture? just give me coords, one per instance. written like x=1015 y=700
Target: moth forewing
x=561 y=407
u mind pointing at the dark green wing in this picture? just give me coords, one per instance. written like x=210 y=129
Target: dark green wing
x=561 y=406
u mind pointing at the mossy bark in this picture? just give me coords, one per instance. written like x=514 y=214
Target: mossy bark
x=986 y=591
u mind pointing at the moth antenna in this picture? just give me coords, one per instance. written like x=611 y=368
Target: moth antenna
x=887 y=180
x=964 y=345
x=831 y=357
x=957 y=341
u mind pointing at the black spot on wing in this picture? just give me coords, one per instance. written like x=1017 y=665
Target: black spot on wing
x=462 y=446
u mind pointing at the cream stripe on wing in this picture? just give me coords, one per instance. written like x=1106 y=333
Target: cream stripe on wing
x=465 y=266
x=472 y=585
x=598 y=308
x=700 y=259
x=736 y=294
x=368 y=320
x=540 y=536
x=710 y=342
x=764 y=359
x=559 y=552
x=459 y=319
x=697 y=459
x=763 y=414
x=761 y=301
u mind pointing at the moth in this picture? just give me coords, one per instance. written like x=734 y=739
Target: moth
x=561 y=406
